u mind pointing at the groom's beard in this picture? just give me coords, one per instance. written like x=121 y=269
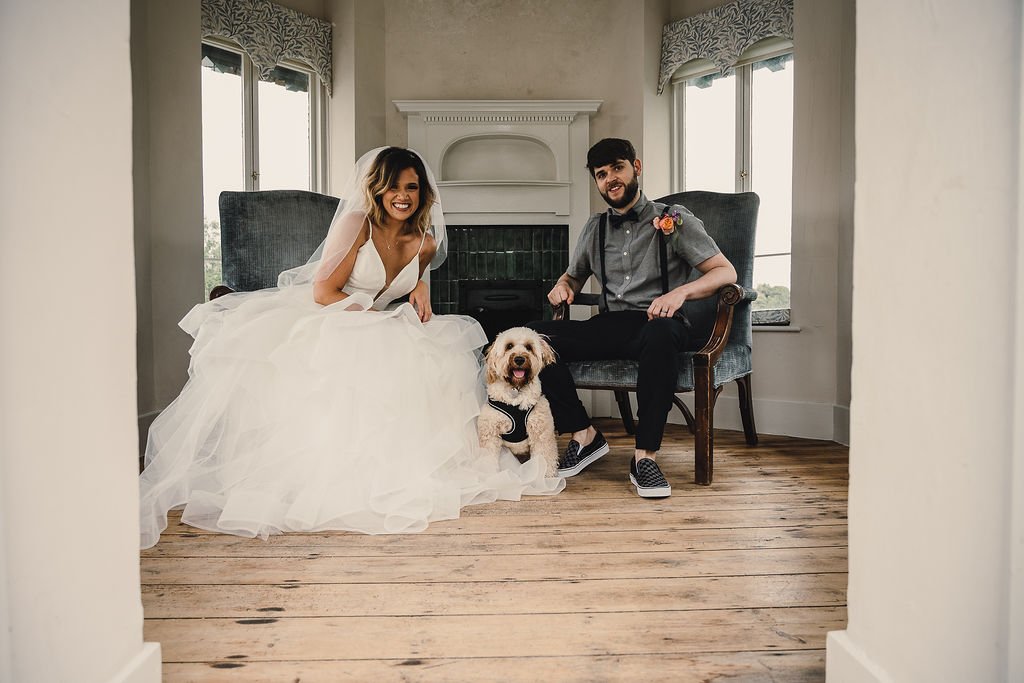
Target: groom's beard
x=628 y=195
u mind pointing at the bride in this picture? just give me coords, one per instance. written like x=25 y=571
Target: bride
x=325 y=403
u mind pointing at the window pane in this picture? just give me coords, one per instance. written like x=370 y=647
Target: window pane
x=771 y=133
x=223 y=153
x=284 y=130
x=771 y=280
x=709 y=147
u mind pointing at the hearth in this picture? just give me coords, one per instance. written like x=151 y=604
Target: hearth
x=500 y=304
x=506 y=270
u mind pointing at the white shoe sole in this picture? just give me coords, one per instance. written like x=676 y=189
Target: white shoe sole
x=586 y=462
x=650 y=491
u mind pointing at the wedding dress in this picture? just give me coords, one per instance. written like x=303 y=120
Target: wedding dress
x=301 y=417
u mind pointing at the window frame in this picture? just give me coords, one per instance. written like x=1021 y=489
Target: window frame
x=696 y=68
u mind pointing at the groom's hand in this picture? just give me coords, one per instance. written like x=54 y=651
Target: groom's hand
x=560 y=293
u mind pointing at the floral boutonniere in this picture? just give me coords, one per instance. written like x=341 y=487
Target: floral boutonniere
x=668 y=221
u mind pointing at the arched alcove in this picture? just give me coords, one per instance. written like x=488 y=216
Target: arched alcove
x=498 y=157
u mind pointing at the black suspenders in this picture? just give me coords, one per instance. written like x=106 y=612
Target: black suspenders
x=601 y=238
x=662 y=258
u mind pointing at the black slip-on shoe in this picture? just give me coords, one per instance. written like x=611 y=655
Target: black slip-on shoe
x=646 y=476
x=577 y=458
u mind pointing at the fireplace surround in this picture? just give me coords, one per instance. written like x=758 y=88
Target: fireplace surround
x=513 y=183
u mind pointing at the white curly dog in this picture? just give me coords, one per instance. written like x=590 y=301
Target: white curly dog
x=516 y=414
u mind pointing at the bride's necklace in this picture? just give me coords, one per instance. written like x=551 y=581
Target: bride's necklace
x=387 y=242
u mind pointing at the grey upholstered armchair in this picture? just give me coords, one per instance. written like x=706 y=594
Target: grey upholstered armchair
x=724 y=322
x=264 y=233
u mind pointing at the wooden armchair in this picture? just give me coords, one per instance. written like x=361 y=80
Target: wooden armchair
x=722 y=352
x=264 y=233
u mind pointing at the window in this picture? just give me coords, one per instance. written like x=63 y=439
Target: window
x=734 y=133
x=257 y=135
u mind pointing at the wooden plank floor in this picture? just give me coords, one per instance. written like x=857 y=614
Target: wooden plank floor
x=737 y=581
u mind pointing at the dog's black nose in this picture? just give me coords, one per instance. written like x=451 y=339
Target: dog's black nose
x=519 y=360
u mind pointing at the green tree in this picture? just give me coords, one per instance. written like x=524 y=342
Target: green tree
x=211 y=253
x=770 y=296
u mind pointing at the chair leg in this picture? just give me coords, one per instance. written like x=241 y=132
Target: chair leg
x=704 y=409
x=687 y=415
x=626 y=410
x=747 y=410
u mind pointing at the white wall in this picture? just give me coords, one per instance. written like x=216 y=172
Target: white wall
x=935 y=481
x=534 y=49
x=844 y=270
x=146 y=392
x=69 y=542
x=657 y=109
x=168 y=178
x=358 y=105
x=1015 y=544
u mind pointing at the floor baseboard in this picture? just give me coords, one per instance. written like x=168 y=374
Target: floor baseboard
x=847 y=663
x=145 y=667
x=786 y=418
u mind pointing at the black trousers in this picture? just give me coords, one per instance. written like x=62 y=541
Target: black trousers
x=618 y=335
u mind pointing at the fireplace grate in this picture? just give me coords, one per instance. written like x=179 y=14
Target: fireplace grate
x=500 y=304
x=535 y=253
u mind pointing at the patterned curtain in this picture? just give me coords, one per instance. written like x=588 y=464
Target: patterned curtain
x=269 y=33
x=722 y=34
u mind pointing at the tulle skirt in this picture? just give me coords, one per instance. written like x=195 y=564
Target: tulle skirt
x=298 y=417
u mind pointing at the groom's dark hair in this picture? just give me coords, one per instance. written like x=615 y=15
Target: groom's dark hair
x=608 y=151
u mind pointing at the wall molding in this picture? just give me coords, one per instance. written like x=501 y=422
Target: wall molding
x=145 y=420
x=801 y=419
x=144 y=667
x=841 y=424
x=847 y=663
x=558 y=193
x=500 y=118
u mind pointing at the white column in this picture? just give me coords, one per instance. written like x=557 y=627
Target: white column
x=934 y=510
x=70 y=607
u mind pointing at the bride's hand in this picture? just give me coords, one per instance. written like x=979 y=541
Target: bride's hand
x=420 y=299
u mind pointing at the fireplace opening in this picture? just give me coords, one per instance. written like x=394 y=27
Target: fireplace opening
x=500 y=274
x=500 y=304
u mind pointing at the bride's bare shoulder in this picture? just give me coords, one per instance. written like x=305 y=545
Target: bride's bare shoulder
x=353 y=221
x=428 y=248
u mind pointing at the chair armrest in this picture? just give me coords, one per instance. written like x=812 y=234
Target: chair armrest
x=219 y=291
x=737 y=292
x=728 y=297
x=561 y=311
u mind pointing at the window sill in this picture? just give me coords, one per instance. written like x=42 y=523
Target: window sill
x=770 y=317
x=774 y=328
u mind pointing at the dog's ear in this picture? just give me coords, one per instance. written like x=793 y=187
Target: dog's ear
x=490 y=364
x=493 y=375
x=547 y=354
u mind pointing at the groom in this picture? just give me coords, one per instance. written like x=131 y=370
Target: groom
x=641 y=270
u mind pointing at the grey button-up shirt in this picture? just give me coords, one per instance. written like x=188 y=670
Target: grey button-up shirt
x=631 y=255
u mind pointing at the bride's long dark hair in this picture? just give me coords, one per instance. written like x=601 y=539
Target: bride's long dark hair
x=384 y=173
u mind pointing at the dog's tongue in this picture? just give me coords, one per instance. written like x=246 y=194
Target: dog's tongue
x=519 y=374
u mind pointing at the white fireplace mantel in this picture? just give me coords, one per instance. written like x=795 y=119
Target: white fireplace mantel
x=506 y=161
